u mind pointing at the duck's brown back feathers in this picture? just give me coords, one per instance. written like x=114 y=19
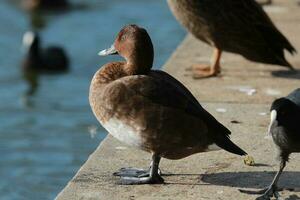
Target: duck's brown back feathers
x=163 y=112
x=240 y=27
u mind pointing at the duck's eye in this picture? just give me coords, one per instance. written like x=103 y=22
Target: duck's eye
x=123 y=38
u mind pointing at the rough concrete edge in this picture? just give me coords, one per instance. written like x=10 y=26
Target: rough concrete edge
x=81 y=168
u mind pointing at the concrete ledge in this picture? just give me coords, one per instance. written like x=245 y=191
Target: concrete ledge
x=214 y=175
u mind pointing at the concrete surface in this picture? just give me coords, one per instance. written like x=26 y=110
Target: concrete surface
x=213 y=175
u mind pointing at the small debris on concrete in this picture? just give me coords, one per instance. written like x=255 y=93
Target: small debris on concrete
x=235 y=122
x=273 y=92
x=250 y=92
x=249 y=160
x=245 y=89
x=121 y=148
x=221 y=110
x=220 y=192
x=262 y=114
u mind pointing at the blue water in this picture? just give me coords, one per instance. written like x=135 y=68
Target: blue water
x=43 y=143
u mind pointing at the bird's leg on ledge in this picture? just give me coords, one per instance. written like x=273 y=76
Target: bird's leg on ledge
x=270 y=191
x=205 y=71
x=134 y=176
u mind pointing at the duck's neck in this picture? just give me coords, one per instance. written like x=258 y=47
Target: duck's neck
x=138 y=66
x=116 y=70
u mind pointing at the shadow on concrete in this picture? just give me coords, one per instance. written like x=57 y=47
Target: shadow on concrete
x=255 y=180
x=287 y=74
x=293 y=197
x=261 y=165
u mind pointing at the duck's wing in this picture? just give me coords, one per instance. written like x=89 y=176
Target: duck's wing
x=158 y=103
x=243 y=27
x=162 y=89
x=173 y=93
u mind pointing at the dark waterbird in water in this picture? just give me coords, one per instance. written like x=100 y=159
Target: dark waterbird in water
x=45 y=4
x=237 y=26
x=50 y=60
x=151 y=110
x=285 y=131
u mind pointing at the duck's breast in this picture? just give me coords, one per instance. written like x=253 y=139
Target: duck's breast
x=123 y=132
x=115 y=107
x=150 y=113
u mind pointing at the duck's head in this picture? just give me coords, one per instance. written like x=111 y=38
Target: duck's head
x=31 y=41
x=134 y=44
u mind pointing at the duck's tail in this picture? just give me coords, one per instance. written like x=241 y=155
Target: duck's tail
x=225 y=143
x=277 y=43
x=281 y=60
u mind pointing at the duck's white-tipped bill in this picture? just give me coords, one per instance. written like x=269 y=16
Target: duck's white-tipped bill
x=111 y=51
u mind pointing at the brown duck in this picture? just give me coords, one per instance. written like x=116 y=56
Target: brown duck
x=235 y=26
x=151 y=110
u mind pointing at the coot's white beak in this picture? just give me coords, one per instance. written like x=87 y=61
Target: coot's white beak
x=28 y=40
x=273 y=121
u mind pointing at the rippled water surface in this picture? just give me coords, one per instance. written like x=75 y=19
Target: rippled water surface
x=45 y=139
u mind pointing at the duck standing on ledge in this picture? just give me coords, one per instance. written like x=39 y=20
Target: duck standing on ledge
x=235 y=26
x=151 y=110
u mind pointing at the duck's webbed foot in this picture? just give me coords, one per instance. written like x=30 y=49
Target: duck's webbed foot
x=134 y=176
x=132 y=172
x=204 y=71
x=199 y=67
x=156 y=179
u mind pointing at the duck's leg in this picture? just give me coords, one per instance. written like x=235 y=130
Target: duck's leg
x=132 y=176
x=205 y=71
